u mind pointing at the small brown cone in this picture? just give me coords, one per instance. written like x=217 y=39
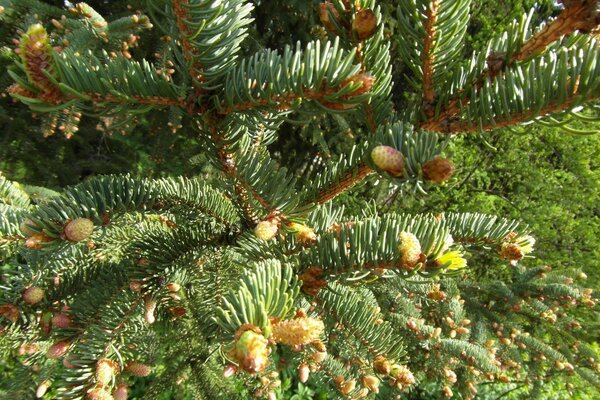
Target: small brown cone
x=438 y=170
x=139 y=369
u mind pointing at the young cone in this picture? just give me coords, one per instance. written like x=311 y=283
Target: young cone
x=33 y=295
x=388 y=159
x=139 y=369
x=78 y=229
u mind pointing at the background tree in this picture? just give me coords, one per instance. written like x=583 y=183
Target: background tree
x=222 y=257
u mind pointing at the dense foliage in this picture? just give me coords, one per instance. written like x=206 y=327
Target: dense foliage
x=284 y=276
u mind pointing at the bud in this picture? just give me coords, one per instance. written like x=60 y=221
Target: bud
x=230 y=370
x=447 y=391
x=438 y=169
x=404 y=377
x=99 y=394
x=46 y=322
x=36 y=54
x=67 y=362
x=33 y=295
x=42 y=389
x=365 y=24
x=366 y=81
x=10 y=312
x=514 y=249
x=266 y=230
x=298 y=331
x=135 y=286
x=304 y=234
x=388 y=159
x=251 y=351
x=371 y=382
x=26 y=228
x=78 y=229
x=149 y=307
x=173 y=287
x=36 y=241
x=61 y=321
x=139 y=369
x=381 y=365
x=303 y=372
x=319 y=357
x=410 y=249
x=58 y=349
x=347 y=386
x=121 y=392
x=324 y=11
x=105 y=371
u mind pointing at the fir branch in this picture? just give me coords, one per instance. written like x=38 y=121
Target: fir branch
x=347 y=181
x=427 y=59
x=577 y=15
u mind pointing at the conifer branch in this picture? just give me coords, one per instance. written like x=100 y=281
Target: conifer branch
x=427 y=58
x=525 y=116
x=577 y=15
x=346 y=182
x=190 y=52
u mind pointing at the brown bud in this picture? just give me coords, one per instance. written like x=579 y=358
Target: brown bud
x=324 y=15
x=58 y=349
x=303 y=372
x=381 y=365
x=121 y=392
x=365 y=24
x=10 y=312
x=438 y=170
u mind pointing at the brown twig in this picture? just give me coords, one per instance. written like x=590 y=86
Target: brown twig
x=427 y=58
x=577 y=15
x=462 y=126
x=189 y=51
x=347 y=181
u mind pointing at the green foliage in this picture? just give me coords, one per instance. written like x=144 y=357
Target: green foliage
x=252 y=269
